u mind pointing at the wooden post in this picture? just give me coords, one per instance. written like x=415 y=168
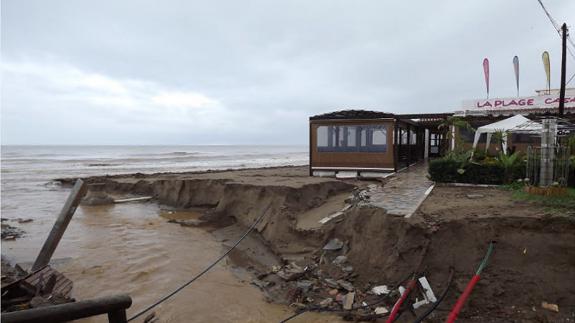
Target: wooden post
x=408 y=145
x=60 y=226
x=563 y=69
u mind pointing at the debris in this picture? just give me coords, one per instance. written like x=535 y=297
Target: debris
x=339 y=260
x=134 y=199
x=345 y=285
x=188 y=223
x=330 y=217
x=429 y=295
x=380 y=290
x=291 y=272
x=10 y=232
x=333 y=244
x=475 y=196
x=381 y=310
x=333 y=292
x=525 y=251
x=348 y=301
x=25 y=220
x=326 y=302
x=550 y=307
x=260 y=283
x=348 y=269
x=304 y=285
x=331 y=283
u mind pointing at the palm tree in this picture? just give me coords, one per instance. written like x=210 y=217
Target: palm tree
x=446 y=126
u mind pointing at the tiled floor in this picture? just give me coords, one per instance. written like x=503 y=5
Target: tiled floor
x=403 y=193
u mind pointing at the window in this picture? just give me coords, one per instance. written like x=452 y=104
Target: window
x=364 y=138
x=525 y=138
x=403 y=136
x=467 y=135
x=322 y=136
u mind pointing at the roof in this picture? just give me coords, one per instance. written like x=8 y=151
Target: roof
x=503 y=125
x=353 y=114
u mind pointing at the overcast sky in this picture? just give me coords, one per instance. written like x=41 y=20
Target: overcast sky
x=252 y=72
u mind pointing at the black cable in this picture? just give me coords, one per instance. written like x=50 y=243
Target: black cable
x=434 y=306
x=557 y=28
x=203 y=271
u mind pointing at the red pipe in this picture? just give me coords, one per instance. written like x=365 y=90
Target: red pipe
x=461 y=300
x=396 y=307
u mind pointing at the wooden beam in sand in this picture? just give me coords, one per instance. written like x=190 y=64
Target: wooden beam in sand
x=78 y=191
x=134 y=199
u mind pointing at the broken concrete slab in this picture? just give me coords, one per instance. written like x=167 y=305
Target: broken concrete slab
x=339 y=260
x=331 y=283
x=326 y=302
x=346 y=285
x=348 y=301
x=304 y=285
x=291 y=272
x=333 y=244
x=381 y=310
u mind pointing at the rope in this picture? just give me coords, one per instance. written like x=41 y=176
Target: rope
x=163 y=299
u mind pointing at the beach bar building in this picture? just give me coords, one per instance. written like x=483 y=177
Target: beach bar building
x=370 y=143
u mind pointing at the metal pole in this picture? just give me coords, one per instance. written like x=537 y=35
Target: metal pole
x=563 y=69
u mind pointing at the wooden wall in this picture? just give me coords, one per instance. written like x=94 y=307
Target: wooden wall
x=352 y=159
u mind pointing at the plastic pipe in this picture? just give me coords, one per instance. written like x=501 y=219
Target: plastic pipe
x=410 y=286
x=469 y=288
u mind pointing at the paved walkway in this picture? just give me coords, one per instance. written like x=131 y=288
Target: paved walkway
x=403 y=193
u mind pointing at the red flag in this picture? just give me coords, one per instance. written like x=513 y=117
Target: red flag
x=486 y=73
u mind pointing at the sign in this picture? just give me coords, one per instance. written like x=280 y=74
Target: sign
x=519 y=103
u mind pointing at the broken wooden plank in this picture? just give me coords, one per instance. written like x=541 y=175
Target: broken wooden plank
x=60 y=226
x=134 y=199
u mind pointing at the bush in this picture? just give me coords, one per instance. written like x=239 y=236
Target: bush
x=444 y=170
x=490 y=171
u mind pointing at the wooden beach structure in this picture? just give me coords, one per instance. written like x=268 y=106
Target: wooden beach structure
x=371 y=143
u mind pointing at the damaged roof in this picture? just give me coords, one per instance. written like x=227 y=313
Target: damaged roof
x=352 y=114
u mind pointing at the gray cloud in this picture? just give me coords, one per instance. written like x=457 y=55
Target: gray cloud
x=194 y=72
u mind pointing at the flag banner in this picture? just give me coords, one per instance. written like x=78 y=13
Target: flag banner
x=486 y=74
x=516 y=69
x=547 y=66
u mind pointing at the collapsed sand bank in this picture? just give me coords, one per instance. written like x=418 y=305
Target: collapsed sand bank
x=533 y=261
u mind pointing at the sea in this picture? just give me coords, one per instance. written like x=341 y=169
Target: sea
x=131 y=247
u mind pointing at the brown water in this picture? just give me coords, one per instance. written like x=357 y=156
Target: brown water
x=131 y=248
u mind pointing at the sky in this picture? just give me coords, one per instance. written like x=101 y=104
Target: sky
x=146 y=72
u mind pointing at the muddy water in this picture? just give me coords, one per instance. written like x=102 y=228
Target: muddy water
x=131 y=248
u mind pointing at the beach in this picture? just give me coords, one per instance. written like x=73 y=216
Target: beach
x=319 y=240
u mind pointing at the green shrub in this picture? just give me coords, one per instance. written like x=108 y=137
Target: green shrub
x=451 y=169
x=444 y=170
